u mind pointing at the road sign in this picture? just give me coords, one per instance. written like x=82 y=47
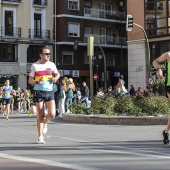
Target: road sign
x=96 y=77
x=150 y=80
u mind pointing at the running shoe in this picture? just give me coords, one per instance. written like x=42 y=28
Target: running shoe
x=166 y=139
x=41 y=140
x=3 y=113
x=29 y=113
x=35 y=123
x=45 y=128
x=7 y=118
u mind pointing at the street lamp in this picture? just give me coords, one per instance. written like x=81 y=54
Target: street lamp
x=97 y=58
x=75 y=47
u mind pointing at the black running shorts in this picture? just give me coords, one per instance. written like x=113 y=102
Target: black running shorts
x=45 y=96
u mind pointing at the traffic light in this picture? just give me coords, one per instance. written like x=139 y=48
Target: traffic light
x=129 y=23
x=75 y=46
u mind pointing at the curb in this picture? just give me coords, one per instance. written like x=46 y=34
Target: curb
x=115 y=120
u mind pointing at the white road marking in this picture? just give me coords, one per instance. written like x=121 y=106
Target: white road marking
x=46 y=162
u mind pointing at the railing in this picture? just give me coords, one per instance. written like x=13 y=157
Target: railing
x=38 y=33
x=107 y=39
x=11 y=31
x=98 y=13
x=17 y=1
x=40 y=2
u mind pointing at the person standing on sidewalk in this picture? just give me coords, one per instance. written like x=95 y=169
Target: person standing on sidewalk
x=165 y=57
x=42 y=75
x=85 y=94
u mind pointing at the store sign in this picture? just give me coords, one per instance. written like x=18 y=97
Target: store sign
x=75 y=73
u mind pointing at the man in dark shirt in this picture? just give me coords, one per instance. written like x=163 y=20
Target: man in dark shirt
x=132 y=91
x=85 y=93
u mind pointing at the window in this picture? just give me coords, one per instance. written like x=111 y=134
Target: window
x=73 y=4
x=67 y=58
x=87 y=8
x=111 y=60
x=37 y=25
x=8 y=53
x=9 y=23
x=156 y=17
x=33 y=53
x=73 y=30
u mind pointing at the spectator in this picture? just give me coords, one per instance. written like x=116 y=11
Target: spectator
x=85 y=94
x=62 y=97
x=100 y=93
x=147 y=91
x=132 y=91
x=69 y=96
x=138 y=92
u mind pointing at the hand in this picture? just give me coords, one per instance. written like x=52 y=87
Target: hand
x=53 y=79
x=40 y=81
x=159 y=73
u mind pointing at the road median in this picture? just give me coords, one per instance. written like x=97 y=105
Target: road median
x=115 y=120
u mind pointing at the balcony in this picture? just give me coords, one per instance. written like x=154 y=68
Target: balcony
x=38 y=33
x=152 y=7
x=98 y=13
x=13 y=2
x=40 y=3
x=107 y=39
x=11 y=31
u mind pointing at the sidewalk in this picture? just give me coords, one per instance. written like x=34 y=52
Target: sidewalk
x=116 y=120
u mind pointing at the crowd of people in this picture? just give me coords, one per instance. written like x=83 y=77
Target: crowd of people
x=49 y=95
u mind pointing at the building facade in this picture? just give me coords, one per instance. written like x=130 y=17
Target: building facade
x=26 y=26
x=154 y=18
x=75 y=20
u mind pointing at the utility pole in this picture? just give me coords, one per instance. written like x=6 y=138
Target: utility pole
x=90 y=53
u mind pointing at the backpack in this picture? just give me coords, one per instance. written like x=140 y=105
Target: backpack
x=55 y=88
x=61 y=95
x=70 y=93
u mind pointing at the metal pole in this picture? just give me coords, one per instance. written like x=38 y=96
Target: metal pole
x=147 y=41
x=97 y=81
x=105 y=71
x=55 y=33
x=90 y=53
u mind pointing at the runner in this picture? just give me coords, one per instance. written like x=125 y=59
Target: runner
x=6 y=98
x=43 y=74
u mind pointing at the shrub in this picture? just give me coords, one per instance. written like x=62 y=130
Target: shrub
x=126 y=105
x=105 y=105
x=109 y=105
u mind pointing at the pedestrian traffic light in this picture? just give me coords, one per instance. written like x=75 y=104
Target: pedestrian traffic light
x=129 y=23
x=75 y=46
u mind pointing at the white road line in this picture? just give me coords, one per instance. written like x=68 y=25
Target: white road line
x=46 y=162
x=130 y=151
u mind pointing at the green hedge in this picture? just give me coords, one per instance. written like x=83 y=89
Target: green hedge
x=131 y=106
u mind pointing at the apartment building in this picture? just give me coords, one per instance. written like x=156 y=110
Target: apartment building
x=154 y=18
x=26 y=26
x=105 y=20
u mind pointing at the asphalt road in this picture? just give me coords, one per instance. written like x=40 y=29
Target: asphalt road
x=78 y=146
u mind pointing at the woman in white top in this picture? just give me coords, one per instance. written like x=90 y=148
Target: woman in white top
x=62 y=97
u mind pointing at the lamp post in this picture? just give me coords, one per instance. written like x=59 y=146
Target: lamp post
x=97 y=58
x=147 y=41
x=90 y=48
x=104 y=58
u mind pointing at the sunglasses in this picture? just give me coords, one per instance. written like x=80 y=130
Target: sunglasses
x=46 y=53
